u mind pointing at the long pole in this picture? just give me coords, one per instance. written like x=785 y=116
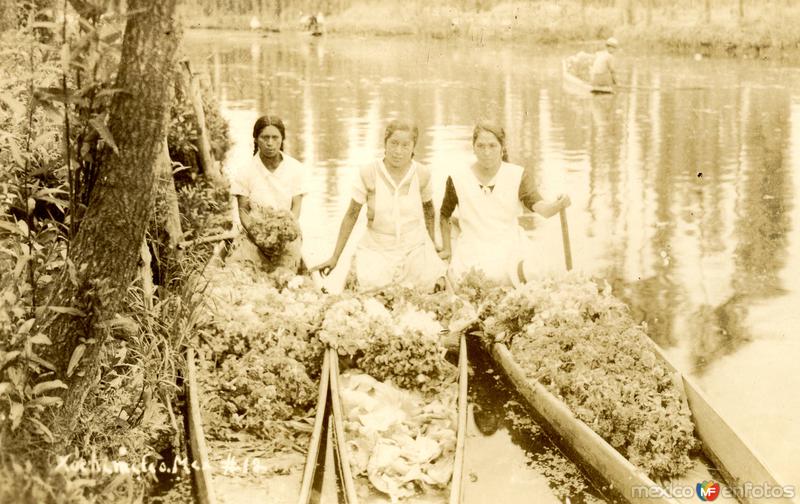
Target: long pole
x=565 y=238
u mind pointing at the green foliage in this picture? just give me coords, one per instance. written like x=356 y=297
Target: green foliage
x=184 y=131
x=260 y=359
x=582 y=344
x=48 y=94
x=32 y=243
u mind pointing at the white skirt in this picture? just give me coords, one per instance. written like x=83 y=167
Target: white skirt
x=379 y=263
x=499 y=258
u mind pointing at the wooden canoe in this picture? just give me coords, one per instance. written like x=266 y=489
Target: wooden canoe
x=576 y=84
x=733 y=458
x=348 y=482
x=204 y=478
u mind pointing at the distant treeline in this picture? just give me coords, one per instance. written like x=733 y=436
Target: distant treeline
x=630 y=10
x=750 y=28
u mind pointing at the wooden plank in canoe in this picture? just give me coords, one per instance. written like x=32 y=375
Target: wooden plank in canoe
x=197 y=440
x=316 y=436
x=337 y=417
x=732 y=456
x=456 y=487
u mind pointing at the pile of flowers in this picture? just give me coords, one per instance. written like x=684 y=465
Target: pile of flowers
x=580 y=65
x=400 y=394
x=402 y=344
x=272 y=231
x=260 y=358
x=581 y=343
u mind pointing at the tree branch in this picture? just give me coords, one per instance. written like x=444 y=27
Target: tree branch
x=87 y=9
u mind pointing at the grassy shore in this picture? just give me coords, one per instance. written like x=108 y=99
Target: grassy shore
x=769 y=29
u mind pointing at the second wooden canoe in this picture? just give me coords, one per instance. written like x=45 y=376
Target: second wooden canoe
x=576 y=84
x=348 y=483
x=205 y=485
x=733 y=458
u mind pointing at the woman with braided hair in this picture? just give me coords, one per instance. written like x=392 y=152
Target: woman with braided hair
x=272 y=179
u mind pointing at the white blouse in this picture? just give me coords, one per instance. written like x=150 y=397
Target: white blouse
x=271 y=188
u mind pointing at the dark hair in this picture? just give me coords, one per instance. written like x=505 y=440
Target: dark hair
x=496 y=130
x=400 y=125
x=264 y=121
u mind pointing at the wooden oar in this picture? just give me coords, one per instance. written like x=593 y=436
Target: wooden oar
x=625 y=87
x=565 y=238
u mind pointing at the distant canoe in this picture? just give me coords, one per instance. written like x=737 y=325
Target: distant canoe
x=576 y=84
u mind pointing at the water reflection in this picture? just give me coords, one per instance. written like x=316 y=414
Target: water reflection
x=682 y=198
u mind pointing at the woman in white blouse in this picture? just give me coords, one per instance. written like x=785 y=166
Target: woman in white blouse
x=272 y=178
x=490 y=195
x=397 y=247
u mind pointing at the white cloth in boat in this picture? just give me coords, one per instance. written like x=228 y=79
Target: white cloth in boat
x=490 y=237
x=396 y=248
x=268 y=188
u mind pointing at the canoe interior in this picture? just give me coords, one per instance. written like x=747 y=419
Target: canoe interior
x=592 y=450
x=230 y=467
x=350 y=493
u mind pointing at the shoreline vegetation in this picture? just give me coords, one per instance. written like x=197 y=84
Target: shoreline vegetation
x=728 y=28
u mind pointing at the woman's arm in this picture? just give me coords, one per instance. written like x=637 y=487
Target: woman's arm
x=548 y=209
x=444 y=226
x=243 y=202
x=449 y=203
x=297 y=203
x=430 y=218
x=345 y=229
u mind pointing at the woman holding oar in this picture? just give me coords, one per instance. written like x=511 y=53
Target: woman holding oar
x=490 y=195
x=272 y=179
x=398 y=245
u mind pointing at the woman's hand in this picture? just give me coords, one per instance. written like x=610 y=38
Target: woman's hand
x=326 y=267
x=444 y=254
x=563 y=201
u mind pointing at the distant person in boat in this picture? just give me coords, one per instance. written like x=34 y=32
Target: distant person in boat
x=490 y=195
x=273 y=179
x=398 y=246
x=602 y=71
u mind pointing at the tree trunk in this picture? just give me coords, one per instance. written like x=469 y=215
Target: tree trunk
x=707 y=10
x=741 y=10
x=106 y=250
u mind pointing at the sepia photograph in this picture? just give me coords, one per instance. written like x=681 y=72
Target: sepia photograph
x=382 y=252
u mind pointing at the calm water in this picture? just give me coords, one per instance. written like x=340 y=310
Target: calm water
x=684 y=199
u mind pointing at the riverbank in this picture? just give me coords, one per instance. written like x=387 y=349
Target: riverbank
x=768 y=30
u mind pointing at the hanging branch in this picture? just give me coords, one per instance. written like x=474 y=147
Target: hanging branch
x=67 y=139
x=87 y=9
